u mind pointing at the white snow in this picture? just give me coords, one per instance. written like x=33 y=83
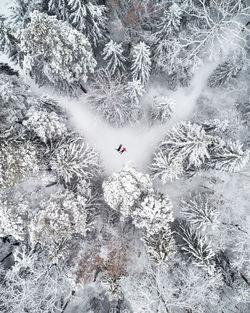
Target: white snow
x=140 y=140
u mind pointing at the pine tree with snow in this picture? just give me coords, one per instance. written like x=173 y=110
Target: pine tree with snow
x=55 y=53
x=170 y=21
x=124 y=189
x=227 y=155
x=199 y=211
x=116 y=104
x=112 y=53
x=153 y=213
x=20 y=12
x=134 y=91
x=18 y=159
x=9 y=43
x=71 y=159
x=166 y=166
x=132 y=194
x=46 y=125
x=185 y=147
x=161 y=109
x=196 y=247
x=89 y=19
x=60 y=8
x=159 y=246
x=224 y=73
x=141 y=63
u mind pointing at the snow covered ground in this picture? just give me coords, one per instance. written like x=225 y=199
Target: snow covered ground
x=139 y=139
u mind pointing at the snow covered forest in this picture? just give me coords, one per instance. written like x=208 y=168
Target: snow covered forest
x=163 y=227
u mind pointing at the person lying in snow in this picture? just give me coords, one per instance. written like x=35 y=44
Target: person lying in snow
x=119 y=149
x=123 y=150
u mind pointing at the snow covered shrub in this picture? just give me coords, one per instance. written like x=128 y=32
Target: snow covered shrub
x=115 y=103
x=58 y=218
x=161 y=109
x=72 y=159
x=55 y=53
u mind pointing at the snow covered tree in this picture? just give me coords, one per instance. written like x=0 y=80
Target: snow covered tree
x=46 y=125
x=134 y=90
x=224 y=73
x=59 y=218
x=17 y=161
x=161 y=109
x=14 y=209
x=172 y=287
x=9 y=43
x=116 y=104
x=153 y=213
x=112 y=53
x=227 y=155
x=132 y=194
x=55 y=53
x=159 y=246
x=34 y=284
x=166 y=166
x=15 y=100
x=60 y=8
x=124 y=189
x=170 y=22
x=88 y=18
x=199 y=211
x=141 y=63
x=20 y=12
x=197 y=248
x=73 y=160
x=185 y=146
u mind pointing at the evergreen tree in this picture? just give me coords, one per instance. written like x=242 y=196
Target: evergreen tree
x=20 y=12
x=224 y=73
x=227 y=156
x=112 y=53
x=196 y=247
x=88 y=18
x=116 y=104
x=59 y=218
x=60 y=8
x=170 y=22
x=161 y=110
x=141 y=63
x=55 y=53
x=199 y=211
